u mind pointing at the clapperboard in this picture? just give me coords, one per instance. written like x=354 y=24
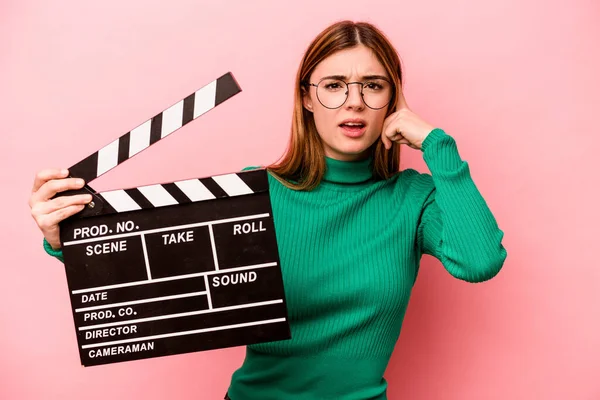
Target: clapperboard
x=175 y=267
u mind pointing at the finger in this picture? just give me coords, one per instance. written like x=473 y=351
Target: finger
x=384 y=138
x=47 y=174
x=392 y=132
x=50 y=206
x=54 y=186
x=55 y=217
x=399 y=139
x=406 y=142
x=401 y=100
x=387 y=143
x=385 y=131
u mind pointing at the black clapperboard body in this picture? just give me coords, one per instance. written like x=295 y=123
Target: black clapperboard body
x=173 y=268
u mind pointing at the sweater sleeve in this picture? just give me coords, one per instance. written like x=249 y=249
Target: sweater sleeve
x=54 y=253
x=456 y=225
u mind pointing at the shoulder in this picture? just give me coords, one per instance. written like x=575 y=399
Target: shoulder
x=250 y=168
x=273 y=180
x=414 y=179
x=410 y=184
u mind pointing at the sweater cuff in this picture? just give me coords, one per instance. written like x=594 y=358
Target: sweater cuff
x=434 y=136
x=440 y=151
x=54 y=253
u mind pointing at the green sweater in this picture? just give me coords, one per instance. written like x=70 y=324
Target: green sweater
x=350 y=253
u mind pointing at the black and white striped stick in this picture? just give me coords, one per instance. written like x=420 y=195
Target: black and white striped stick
x=182 y=192
x=147 y=134
x=156 y=128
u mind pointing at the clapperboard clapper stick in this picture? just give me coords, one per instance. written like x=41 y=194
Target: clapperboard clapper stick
x=176 y=267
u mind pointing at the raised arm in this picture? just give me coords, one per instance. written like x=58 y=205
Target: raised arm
x=456 y=225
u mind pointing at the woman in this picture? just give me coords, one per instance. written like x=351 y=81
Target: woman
x=351 y=227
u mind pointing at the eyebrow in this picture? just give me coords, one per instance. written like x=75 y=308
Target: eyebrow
x=344 y=77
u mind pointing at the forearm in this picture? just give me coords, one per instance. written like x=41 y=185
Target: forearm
x=461 y=230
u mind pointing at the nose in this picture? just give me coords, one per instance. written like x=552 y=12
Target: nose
x=354 y=99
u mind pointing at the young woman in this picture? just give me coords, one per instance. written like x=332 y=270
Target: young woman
x=351 y=227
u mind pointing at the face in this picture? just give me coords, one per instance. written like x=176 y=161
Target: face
x=347 y=132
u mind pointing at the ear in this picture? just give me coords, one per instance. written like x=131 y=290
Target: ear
x=307 y=100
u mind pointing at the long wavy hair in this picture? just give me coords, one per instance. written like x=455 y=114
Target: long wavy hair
x=303 y=164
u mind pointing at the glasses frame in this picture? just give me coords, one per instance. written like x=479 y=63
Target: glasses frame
x=362 y=95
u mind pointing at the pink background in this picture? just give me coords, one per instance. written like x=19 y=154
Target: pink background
x=514 y=81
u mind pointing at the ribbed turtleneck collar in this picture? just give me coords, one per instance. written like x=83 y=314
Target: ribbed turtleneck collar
x=348 y=172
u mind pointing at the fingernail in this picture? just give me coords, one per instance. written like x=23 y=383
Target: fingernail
x=80 y=182
x=88 y=197
x=64 y=172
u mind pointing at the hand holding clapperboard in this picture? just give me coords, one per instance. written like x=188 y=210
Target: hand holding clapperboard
x=175 y=267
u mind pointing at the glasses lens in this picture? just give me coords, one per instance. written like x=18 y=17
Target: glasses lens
x=377 y=93
x=332 y=92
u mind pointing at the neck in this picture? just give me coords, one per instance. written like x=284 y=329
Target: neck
x=348 y=172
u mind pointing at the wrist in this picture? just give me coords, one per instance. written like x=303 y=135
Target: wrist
x=434 y=135
x=51 y=247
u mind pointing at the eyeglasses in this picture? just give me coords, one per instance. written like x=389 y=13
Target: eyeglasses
x=333 y=93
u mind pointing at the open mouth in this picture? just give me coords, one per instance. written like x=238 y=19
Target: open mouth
x=353 y=128
x=353 y=125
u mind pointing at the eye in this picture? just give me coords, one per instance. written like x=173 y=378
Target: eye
x=373 y=86
x=332 y=85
